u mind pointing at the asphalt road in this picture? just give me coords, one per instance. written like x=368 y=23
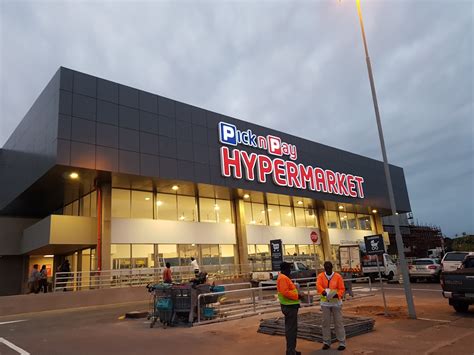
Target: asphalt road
x=99 y=330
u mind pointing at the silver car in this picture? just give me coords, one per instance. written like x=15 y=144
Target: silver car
x=425 y=268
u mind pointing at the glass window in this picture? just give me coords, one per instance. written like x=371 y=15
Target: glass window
x=143 y=256
x=75 y=208
x=332 y=220
x=67 y=210
x=290 y=250
x=287 y=218
x=93 y=204
x=227 y=253
x=121 y=203
x=251 y=249
x=165 y=207
x=364 y=221
x=351 y=221
x=304 y=249
x=274 y=218
x=224 y=211
x=262 y=249
x=185 y=252
x=210 y=254
x=142 y=204
x=208 y=209
x=311 y=217
x=299 y=217
x=120 y=256
x=257 y=213
x=85 y=206
x=187 y=208
x=168 y=253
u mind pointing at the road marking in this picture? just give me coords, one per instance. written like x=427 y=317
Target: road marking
x=434 y=320
x=413 y=289
x=13 y=321
x=14 y=347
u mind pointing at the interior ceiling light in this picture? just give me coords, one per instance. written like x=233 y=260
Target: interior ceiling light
x=299 y=202
x=175 y=188
x=216 y=207
x=159 y=203
x=374 y=211
x=269 y=210
x=147 y=199
x=289 y=214
x=227 y=220
x=246 y=196
x=341 y=207
x=73 y=175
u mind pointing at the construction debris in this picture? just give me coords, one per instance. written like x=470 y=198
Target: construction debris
x=309 y=326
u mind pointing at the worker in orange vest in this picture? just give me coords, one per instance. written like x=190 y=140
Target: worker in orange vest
x=290 y=303
x=330 y=286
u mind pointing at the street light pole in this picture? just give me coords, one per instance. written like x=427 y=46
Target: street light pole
x=398 y=235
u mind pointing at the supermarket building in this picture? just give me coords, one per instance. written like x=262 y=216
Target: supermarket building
x=112 y=177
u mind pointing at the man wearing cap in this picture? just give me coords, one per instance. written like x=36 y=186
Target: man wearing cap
x=330 y=286
x=289 y=301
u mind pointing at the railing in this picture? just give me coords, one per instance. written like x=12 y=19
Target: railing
x=248 y=302
x=76 y=281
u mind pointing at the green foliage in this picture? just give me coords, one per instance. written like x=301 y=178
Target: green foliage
x=464 y=243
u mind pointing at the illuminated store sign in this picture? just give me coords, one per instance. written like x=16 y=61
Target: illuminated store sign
x=239 y=163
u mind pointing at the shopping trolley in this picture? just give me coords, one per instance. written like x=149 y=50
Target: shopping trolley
x=161 y=304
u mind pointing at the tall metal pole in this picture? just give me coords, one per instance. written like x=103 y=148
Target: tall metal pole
x=398 y=235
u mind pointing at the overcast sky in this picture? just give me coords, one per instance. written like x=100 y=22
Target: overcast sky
x=298 y=67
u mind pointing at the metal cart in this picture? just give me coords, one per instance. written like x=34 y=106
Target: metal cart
x=161 y=304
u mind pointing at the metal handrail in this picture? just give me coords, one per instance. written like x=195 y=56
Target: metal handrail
x=139 y=277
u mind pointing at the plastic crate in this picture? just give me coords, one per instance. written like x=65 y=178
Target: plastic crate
x=209 y=312
x=217 y=288
x=164 y=304
x=182 y=298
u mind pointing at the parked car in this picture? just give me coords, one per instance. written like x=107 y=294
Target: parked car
x=298 y=271
x=458 y=285
x=453 y=259
x=425 y=268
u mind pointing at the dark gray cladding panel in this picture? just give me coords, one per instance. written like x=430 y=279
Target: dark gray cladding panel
x=112 y=127
x=31 y=150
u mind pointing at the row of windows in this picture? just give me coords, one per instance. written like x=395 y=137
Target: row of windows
x=174 y=207
x=346 y=220
x=86 y=206
x=274 y=215
x=125 y=256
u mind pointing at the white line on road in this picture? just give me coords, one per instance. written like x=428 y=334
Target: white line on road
x=14 y=347
x=434 y=320
x=413 y=289
x=13 y=321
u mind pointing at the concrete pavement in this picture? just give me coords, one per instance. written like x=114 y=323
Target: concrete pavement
x=98 y=330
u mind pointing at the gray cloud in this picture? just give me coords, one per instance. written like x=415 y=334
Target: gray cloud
x=294 y=66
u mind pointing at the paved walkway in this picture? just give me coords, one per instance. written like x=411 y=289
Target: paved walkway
x=99 y=330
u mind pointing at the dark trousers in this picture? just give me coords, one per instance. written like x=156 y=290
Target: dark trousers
x=43 y=286
x=291 y=327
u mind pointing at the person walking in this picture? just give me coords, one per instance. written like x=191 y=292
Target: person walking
x=167 y=274
x=290 y=303
x=43 y=281
x=330 y=286
x=33 y=280
x=195 y=266
x=66 y=270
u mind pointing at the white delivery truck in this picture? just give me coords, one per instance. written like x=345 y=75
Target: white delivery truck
x=355 y=260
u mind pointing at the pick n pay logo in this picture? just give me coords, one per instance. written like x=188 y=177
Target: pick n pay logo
x=230 y=135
